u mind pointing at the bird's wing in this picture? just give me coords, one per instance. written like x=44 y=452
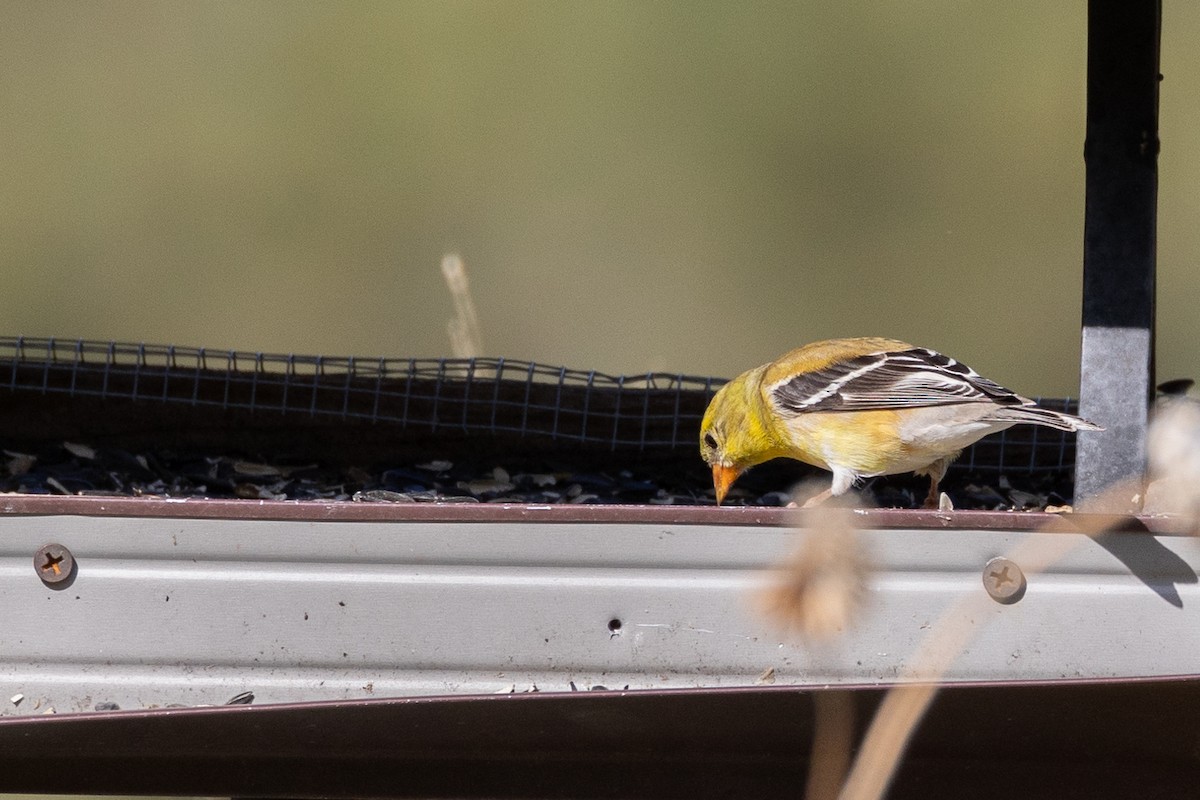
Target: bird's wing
x=888 y=380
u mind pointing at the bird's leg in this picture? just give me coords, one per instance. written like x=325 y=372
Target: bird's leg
x=818 y=498
x=936 y=471
x=931 y=501
x=842 y=481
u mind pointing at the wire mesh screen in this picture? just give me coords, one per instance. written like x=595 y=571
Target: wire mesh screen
x=480 y=396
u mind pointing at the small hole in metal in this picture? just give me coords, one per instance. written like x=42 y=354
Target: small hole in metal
x=614 y=625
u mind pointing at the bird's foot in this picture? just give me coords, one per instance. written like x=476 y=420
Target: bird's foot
x=939 y=500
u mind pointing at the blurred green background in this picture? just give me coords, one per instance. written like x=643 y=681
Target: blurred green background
x=682 y=186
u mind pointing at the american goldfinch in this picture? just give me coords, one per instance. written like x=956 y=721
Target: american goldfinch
x=861 y=408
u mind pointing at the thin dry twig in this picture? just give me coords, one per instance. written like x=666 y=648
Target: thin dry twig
x=833 y=741
x=463 y=327
x=817 y=594
x=902 y=708
x=904 y=705
x=824 y=584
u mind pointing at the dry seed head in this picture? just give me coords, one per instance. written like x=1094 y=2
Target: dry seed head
x=1173 y=449
x=821 y=588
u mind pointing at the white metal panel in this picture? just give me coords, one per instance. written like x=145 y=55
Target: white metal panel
x=194 y=611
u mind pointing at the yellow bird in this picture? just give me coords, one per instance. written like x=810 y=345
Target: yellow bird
x=861 y=408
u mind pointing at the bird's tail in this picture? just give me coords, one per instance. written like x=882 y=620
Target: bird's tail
x=1035 y=415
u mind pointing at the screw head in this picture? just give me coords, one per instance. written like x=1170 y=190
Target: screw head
x=1003 y=579
x=53 y=563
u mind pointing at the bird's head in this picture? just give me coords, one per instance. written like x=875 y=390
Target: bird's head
x=734 y=434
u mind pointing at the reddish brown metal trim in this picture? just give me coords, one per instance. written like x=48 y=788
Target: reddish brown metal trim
x=886 y=518
x=691 y=743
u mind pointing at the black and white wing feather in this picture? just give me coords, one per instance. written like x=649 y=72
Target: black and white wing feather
x=889 y=380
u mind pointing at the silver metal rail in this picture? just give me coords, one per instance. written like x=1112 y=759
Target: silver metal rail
x=195 y=602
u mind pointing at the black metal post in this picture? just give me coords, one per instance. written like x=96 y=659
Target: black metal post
x=1121 y=156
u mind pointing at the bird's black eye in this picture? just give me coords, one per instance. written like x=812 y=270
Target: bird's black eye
x=709 y=441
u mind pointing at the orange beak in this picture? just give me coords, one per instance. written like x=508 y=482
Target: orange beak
x=723 y=478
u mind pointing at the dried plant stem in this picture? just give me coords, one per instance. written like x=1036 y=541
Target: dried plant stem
x=833 y=740
x=904 y=705
x=902 y=708
x=886 y=740
x=465 y=339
